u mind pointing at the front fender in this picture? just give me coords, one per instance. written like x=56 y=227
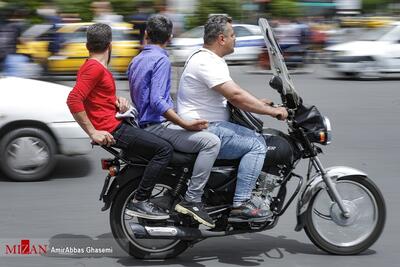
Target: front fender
x=316 y=183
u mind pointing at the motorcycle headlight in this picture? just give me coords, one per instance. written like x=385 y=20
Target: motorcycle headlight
x=325 y=136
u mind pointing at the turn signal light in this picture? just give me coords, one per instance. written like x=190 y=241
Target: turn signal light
x=322 y=137
x=113 y=170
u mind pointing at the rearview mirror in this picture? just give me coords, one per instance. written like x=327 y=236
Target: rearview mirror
x=276 y=83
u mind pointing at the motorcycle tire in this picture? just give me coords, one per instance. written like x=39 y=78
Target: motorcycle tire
x=130 y=247
x=319 y=238
x=17 y=144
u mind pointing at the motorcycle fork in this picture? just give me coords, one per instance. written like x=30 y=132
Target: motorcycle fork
x=332 y=191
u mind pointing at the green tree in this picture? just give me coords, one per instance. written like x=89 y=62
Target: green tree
x=372 y=5
x=81 y=7
x=206 y=7
x=129 y=7
x=24 y=5
x=285 y=8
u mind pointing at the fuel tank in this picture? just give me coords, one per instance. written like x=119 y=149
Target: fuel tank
x=281 y=152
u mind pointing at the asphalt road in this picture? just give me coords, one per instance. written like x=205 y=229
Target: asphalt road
x=65 y=209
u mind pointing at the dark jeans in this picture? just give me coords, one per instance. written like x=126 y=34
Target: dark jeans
x=149 y=146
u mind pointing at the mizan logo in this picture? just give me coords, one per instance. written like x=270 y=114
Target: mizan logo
x=26 y=248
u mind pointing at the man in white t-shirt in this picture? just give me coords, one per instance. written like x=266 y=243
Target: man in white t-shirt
x=204 y=89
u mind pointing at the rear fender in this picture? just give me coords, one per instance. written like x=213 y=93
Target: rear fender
x=315 y=184
x=129 y=174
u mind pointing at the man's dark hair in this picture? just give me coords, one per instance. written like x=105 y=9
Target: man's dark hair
x=214 y=26
x=159 y=29
x=98 y=36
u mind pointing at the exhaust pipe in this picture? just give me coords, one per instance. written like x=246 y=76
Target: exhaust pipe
x=172 y=232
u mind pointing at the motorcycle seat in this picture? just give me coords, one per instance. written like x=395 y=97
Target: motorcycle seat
x=182 y=159
x=178 y=158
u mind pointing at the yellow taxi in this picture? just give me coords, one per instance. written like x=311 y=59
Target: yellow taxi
x=351 y=22
x=376 y=22
x=365 y=22
x=73 y=52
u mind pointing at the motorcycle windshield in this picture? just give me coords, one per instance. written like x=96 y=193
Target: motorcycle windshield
x=276 y=60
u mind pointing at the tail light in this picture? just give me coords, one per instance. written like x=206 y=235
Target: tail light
x=111 y=165
x=106 y=163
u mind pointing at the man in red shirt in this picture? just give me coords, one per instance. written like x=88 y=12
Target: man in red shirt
x=94 y=104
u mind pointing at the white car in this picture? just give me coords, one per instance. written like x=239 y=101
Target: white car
x=35 y=125
x=249 y=43
x=377 y=55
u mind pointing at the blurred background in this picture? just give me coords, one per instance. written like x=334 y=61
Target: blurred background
x=45 y=39
x=345 y=59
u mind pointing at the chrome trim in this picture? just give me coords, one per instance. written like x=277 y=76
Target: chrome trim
x=316 y=183
x=161 y=231
x=328 y=128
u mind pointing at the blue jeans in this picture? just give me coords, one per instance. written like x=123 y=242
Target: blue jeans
x=204 y=143
x=240 y=142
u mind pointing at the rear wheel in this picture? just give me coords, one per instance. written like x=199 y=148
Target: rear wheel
x=333 y=233
x=141 y=248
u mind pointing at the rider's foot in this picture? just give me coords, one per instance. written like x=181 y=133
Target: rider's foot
x=196 y=210
x=249 y=211
x=145 y=209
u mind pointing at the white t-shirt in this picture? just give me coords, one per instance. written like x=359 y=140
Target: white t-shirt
x=196 y=97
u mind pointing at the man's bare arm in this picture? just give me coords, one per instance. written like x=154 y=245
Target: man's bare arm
x=100 y=137
x=247 y=102
x=193 y=125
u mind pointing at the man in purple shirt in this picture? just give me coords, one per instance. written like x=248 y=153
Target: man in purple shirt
x=149 y=76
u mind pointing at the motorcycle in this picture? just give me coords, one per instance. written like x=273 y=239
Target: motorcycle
x=340 y=208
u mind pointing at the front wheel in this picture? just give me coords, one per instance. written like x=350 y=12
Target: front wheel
x=141 y=248
x=330 y=231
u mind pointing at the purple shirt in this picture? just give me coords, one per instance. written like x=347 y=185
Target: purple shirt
x=150 y=84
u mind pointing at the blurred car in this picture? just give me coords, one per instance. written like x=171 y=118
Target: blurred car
x=35 y=125
x=376 y=22
x=249 y=43
x=365 y=22
x=354 y=21
x=72 y=50
x=377 y=54
x=36 y=42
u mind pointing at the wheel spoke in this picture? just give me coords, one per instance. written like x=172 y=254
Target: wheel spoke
x=159 y=193
x=338 y=230
x=149 y=245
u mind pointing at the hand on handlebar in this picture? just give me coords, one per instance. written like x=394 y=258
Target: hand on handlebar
x=103 y=138
x=281 y=113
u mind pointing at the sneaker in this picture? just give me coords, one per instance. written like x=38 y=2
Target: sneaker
x=145 y=209
x=249 y=211
x=196 y=210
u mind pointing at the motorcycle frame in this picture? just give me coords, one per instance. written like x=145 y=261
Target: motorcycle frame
x=323 y=179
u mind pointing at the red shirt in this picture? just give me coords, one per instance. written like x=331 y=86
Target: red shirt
x=94 y=92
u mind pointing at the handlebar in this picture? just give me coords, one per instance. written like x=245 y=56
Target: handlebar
x=289 y=111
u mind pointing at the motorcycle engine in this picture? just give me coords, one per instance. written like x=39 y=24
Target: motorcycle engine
x=265 y=188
